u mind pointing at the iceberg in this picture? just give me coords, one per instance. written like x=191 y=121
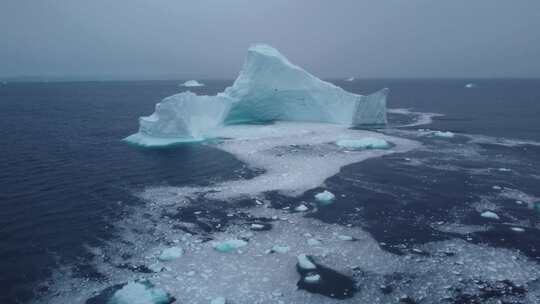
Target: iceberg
x=192 y=83
x=350 y=79
x=269 y=88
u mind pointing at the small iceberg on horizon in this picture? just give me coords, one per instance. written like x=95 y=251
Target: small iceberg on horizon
x=192 y=83
x=471 y=85
x=350 y=79
x=269 y=88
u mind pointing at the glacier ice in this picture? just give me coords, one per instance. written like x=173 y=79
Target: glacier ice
x=269 y=88
x=192 y=83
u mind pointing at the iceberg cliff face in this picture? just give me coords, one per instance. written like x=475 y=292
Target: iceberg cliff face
x=268 y=88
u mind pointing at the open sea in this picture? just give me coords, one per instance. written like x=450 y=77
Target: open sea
x=72 y=194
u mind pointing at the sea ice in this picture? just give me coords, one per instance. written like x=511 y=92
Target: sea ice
x=280 y=249
x=171 y=253
x=325 y=198
x=140 y=293
x=305 y=263
x=363 y=143
x=301 y=208
x=192 y=83
x=443 y=134
x=218 y=300
x=312 y=279
x=229 y=245
x=269 y=88
x=490 y=215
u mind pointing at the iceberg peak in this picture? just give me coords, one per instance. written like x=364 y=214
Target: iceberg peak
x=268 y=88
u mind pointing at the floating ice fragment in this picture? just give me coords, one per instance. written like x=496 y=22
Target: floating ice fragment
x=140 y=293
x=350 y=79
x=313 y=242
x=504 y=170
x=280 y=249
x=364 y=143
x=443 y=134
x=345 y=237
x=496 y=187
x=192 y=83
x=325 y=198
x=218 y=300
x=301 y=208
x=489 y=215
x=269 y=88
x=171 y=254
x=305 y=263
x=229 y=245
x=312 y=278
x=257 y=226
x=470 y=85
x=517 y=229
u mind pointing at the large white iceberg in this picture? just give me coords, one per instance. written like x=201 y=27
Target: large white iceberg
x=269 y=88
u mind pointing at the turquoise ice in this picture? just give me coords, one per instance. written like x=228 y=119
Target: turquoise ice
x=269 y=88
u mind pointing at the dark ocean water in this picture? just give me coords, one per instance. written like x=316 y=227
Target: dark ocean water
x=65 y=174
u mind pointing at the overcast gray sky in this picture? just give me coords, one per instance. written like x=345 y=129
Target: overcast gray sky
x=209 y=38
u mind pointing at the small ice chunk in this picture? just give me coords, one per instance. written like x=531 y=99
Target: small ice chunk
x=345 y=237
x=192 y=83
x=305 y=263
x=489 y=215
x=313 y=242
x=301 y=208
x=229 y=245
x=517 y=229
x=496 y=187
x=470 y=85
x=218 y=300
x=280 y=249
x=443 y=134
x=364 y=143
x=325 y=198
x=350 y=79
x=140 y=293
x=257 y=227
x=312 y=278
x=155 y=267
x=171 y=254
x=504 y=170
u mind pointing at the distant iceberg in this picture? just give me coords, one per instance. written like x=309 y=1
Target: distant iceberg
x=192 y=83
x=269 y=88
x=350 y=79
x=470 y=85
